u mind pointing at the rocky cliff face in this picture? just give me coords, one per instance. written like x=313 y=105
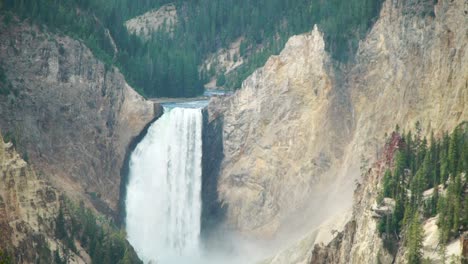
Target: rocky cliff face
x=294 y=134
x=360 y=242
x=39 y=224
x=28 y=207
x=411 y=68
x=68 y=113
x=282 y=130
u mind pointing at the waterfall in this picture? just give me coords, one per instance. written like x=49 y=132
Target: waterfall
x=163 y=202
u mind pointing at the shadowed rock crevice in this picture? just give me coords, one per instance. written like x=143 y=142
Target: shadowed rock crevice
x=213 y=212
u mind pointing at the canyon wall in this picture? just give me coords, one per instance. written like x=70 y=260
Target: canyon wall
x=282 y=130
x=297 y=133
x=69 y=114
x=410 y=68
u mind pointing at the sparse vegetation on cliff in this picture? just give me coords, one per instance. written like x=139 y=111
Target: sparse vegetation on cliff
x=40 y=225
x=4 y=258
x=103 y=242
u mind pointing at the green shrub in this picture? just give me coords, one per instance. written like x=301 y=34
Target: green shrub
x=5 y=258
x=221 y=80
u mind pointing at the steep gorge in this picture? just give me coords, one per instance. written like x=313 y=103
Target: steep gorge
x=291 y=140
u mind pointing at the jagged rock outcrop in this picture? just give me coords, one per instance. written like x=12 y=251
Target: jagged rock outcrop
x=283 y=129
x=69 y=114
x=359 y=242
x=295 y=134
x=387 y=207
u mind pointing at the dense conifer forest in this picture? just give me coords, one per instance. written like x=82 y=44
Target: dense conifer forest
x=167 y=64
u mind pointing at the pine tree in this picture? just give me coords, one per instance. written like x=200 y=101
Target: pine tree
x=465 y=214
x=418 y=128
x=434 y=149
x=456 y=197
x=411 y=146
x=57 y=258
x=414 y=240
x=427 y=171
x=453 y=153
x=399 y=172
x=444 y=163
x=4 y=258
x=399 y=212
x=388 y=187
x=445 y=219
x=409 y=212
x=60 y=231
x=434 y=200
x=463 y=160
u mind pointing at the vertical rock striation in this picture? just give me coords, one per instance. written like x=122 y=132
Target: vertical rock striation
x=70 y=114
x=282 y=130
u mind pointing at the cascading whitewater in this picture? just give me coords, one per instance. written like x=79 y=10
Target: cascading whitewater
x=164 y=191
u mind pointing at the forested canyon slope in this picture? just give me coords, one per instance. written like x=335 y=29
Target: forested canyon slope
x=39 y=223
